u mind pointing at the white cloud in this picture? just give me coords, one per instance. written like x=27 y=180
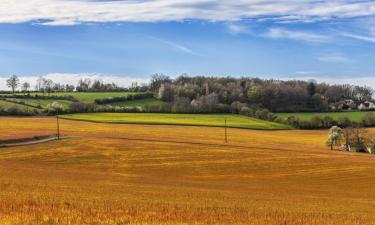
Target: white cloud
x=334 y=58
x=305 y=36
x=72 y=78
x=70 y=12
x=237 y=28
x=305 y=73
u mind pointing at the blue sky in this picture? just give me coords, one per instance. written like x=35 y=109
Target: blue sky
x=264 y=38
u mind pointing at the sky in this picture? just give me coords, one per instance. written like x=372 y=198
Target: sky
x=128 y=40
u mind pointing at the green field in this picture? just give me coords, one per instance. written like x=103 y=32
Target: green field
x=354 y=116
x=214 y=120
x=138 y=103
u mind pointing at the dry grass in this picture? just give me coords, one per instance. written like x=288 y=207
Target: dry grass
x=134 y=174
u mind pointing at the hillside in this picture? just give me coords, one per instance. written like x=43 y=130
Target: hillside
x=40 y=101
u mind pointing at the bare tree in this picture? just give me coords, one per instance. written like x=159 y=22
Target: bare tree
x=13 y=82
x=355 y=138
x=25 y=86
x=157 y=80
x=48 y=85
x=39 y=84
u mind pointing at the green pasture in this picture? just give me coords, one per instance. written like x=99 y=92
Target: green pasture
x=214 y=120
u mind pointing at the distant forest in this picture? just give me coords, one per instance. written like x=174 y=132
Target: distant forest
x=213 y=93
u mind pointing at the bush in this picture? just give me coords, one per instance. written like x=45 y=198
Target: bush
x=80 y=107
x=344 y=122
x=16 y=111
x=368 y=120
x=131 y=97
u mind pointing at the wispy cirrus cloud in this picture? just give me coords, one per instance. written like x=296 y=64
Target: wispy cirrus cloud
x=62 y=12
x=297 y=35
x=367 y=38
x=334 y=58
x=176 y=46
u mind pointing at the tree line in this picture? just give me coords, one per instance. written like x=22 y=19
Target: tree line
x=274 y=95
x=45 y=85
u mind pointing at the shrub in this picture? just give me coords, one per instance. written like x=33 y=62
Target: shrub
x=131 y=97
x=368 y=120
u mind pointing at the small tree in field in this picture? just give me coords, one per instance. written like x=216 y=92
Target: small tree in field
x=334 y=137
x=54 y=108
x=13 y=82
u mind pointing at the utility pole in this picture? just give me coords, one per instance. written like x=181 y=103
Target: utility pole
x=58 y=125
x=226 y=136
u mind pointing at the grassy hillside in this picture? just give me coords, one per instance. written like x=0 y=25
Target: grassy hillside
x=217 y=120
x=41 y=102
x=7 y=105
x=354 y=116
x=154 y=175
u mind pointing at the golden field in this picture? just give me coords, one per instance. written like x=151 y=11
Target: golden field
x=139 y=174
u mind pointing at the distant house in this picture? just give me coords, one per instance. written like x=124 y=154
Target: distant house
x=347 y=104
x=366 y=106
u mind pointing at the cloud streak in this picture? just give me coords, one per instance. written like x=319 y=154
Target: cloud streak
x=360 y=37
x=305 y=36
x=176 y=46
x=62 y=12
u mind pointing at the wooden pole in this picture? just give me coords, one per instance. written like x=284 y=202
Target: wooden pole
x=58 y=125
x=226 y=134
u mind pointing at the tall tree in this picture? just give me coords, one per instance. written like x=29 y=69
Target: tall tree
x=13 y=82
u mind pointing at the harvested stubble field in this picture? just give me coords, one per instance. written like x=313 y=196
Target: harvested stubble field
x=139 y=174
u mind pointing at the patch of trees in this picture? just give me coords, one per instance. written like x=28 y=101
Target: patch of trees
x=88 y=85
x=274 y=95
x=323 y=122
x=136 y=96
x=354 y=138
